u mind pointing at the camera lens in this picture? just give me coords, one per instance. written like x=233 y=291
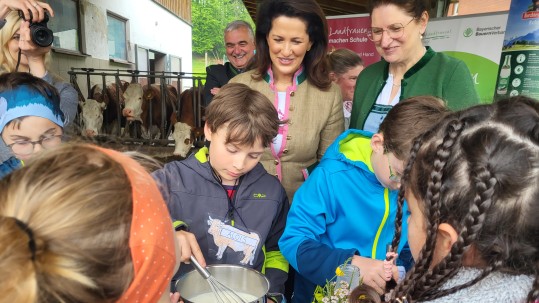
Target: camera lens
x=42 y=36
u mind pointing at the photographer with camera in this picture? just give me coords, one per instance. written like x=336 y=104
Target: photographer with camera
x=27 y=7
x=24 y=24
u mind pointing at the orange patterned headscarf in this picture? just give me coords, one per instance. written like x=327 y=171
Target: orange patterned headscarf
x=151 y=238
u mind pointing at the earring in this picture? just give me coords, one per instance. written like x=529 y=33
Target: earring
x=421 y=36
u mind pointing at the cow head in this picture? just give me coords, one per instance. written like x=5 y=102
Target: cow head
x=183 y=141
x=133 y=102
x=215 y=224
x=92 y=117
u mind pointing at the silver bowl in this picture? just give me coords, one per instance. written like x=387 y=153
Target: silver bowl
x=240 y=279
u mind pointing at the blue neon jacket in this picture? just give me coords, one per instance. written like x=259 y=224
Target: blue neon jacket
x=341 y=210
x=8 y=166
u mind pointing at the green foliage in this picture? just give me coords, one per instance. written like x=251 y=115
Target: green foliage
x=210 y=18
x=199 y=65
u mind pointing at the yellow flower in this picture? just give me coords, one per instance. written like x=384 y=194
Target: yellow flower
x=339 y=272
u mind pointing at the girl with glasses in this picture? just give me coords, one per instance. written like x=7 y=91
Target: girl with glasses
x=407 y=68
x=30 y=117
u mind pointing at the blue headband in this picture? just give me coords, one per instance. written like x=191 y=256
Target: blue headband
x=24 y=101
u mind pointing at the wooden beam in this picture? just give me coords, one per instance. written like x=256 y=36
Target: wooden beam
x=343 y=7
x=330 y=7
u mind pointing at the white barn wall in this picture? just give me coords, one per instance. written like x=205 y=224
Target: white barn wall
x=149 y=26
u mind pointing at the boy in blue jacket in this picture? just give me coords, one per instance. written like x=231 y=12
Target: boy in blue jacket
x=226 y=208
x=346 y=208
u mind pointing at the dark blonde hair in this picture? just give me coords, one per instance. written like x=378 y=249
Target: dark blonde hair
x=477 y=170
x=342 y=60
x=249 y=114
x=81 y=238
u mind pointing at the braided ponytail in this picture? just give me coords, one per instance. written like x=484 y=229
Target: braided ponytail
x=473 y=222
x=533 y=295
x=418 y=279
x=483 y=175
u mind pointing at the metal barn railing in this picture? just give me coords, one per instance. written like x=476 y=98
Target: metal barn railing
x=105 y=77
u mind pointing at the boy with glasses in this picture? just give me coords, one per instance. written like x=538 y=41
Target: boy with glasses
x=346 y=208
x=30 y=118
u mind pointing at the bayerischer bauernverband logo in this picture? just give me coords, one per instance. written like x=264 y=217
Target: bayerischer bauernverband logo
x=468 y=32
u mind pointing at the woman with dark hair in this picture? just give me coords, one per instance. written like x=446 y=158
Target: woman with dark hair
x=292 y=71
x=407 y=68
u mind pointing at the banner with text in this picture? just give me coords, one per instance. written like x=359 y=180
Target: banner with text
x=476 y=40
x=351 y=32
x=519 y=63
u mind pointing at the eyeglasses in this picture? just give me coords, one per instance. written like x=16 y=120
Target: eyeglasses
x=394 y=31
x=24 y=148
x=393 y=177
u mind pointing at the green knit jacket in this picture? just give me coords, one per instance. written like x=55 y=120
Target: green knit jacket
x=435 y=74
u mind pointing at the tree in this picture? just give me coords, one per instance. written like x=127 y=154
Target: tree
x=210 y=17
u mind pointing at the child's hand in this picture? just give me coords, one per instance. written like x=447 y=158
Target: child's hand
x=175 y=298
x=189 y=246
x=390 y=268
x=371 y=272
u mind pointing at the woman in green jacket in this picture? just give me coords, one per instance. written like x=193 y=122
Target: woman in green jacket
x=407 y=67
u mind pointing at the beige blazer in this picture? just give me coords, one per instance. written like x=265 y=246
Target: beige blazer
x=315 y=120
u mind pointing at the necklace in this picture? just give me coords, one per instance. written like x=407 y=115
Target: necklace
x=396 y=85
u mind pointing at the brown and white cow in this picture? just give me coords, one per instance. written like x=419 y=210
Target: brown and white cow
x=185 y=130
x=102 y=117
x=92 y=117
x=138 y=101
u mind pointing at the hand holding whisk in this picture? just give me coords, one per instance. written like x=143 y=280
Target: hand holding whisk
x=222 y=293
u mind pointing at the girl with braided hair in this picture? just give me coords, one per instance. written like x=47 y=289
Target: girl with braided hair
x=471 y=186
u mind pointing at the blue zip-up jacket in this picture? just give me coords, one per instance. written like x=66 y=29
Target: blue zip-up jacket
x=8 y=166
x=259 y=210
x=341 y=210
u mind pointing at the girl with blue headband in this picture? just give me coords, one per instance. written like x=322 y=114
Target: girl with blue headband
x=30 y=118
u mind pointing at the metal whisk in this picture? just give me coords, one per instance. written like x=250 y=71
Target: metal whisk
x=223 y=293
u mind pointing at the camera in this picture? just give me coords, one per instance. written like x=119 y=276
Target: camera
x=39 y=32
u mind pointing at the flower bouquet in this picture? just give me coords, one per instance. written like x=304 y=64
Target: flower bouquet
x=338 y=288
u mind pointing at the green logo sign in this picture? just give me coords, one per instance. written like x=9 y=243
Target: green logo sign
x=259 y=195
x=468 y=32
